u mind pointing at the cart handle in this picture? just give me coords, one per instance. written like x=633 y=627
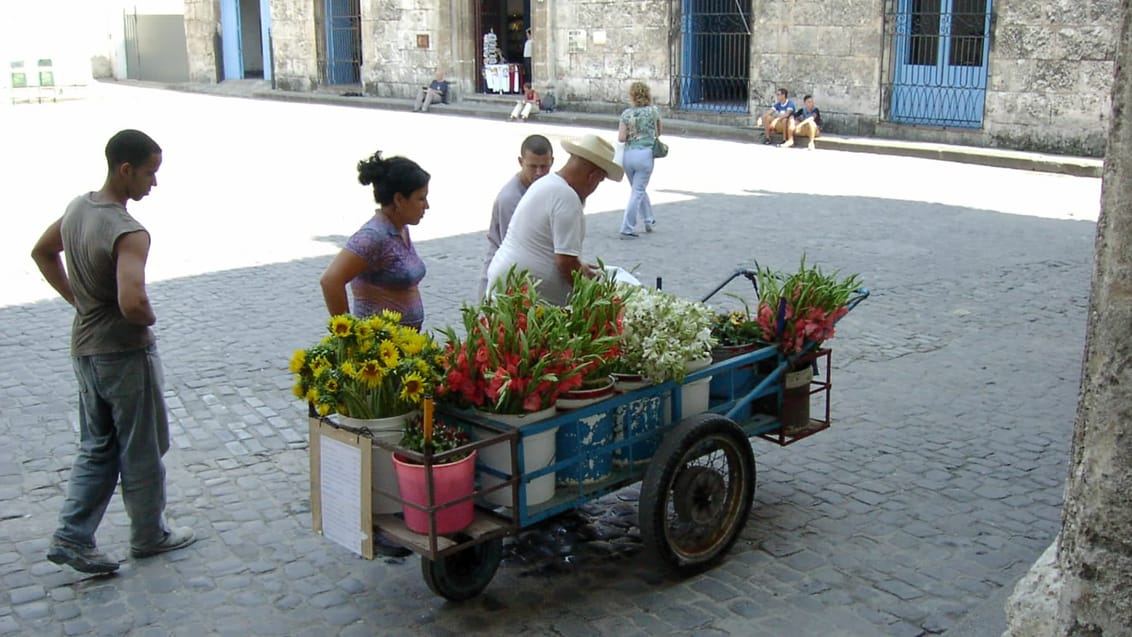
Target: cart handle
x=751 y=274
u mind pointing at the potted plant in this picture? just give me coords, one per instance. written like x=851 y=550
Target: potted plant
x=452 y=473
x=797 y=312
x=518 y=354
x=735 y=332
x=662 y=334
x=367 y=368
x=664 y=337
x=595 y=310
x=371 y=374
x=517 y=357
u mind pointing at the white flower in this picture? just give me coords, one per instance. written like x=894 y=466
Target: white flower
x=663 y=332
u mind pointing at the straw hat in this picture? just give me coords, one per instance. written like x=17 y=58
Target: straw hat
x=597 y=151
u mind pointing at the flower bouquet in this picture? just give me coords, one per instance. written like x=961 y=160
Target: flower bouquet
x=662 y=334
x=801 y=308
x=367 y=368
x=596 y=308
x=518 y=354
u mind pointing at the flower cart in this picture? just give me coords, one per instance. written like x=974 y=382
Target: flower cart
x=697 y=469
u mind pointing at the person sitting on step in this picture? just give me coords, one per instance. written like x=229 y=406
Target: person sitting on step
x=528 y=105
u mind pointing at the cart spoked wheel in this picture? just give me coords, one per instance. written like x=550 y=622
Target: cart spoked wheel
x=463 y=575
x=697 y=492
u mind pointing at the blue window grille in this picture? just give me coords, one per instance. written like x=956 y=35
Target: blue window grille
x=714 y=56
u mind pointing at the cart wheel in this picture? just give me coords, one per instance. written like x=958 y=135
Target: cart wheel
x=465 y=574
x=697 y=492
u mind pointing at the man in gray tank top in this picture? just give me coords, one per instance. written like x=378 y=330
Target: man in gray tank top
x=123 y=427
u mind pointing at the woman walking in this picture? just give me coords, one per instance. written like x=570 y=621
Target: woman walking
x=379 y=262
x=639 y=128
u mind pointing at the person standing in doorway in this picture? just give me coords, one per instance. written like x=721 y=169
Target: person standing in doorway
x=528 y=53
x=123 y=425
x=639 y=128
x=536 y=156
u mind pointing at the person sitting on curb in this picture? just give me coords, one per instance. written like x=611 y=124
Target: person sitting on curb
x=525 y=107
x=435 y=92
x=778 y=115
x=806 y=122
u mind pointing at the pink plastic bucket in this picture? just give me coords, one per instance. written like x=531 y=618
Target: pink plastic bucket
x=449 y=482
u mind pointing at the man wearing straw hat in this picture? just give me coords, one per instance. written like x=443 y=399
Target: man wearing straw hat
x=546 y=233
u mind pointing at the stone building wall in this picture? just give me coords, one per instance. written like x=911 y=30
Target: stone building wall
x=1050 y=76
x=595 y=49
x=831 y=50
x=202 y=19
x=297 y=44
x=403 y=43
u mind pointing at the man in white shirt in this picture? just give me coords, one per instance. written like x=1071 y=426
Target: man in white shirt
x=547 y=231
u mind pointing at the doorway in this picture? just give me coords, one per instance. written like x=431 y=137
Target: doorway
x=507 y=21
x=940 y=65
x=245 y=36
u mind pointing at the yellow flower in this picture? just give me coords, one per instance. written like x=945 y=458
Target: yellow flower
x=413 y=343
x=371 y=373
x=298 y=360
x=348 y=369
x=323 y=409
x=298 y=390
x=341 y=326
x=422 y=366
x=331 y=386
x=319 y=366
x=412 y=388
x=312 y=394
x=392 y=316
x=364 y=331
x=389 y=353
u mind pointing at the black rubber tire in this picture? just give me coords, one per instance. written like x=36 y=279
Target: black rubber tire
x=703 y=469
x=463 y=575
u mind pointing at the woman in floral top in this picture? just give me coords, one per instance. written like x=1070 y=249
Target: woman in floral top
x=379 y=262
x=639 y=128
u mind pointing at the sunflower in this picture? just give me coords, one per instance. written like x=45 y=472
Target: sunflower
x=298 y=390
x=389 y=353
x=312 y=395
x=412 y=388
x=341 y=325
x=297 y=361
x=319 y=366
x=331 y=385
x=370 y=373
x=413 y=343
x=348 y=369
x=392 y=316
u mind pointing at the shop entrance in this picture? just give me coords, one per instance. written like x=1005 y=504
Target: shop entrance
x=500 y=33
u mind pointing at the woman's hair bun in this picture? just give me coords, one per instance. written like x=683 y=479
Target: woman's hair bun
x=370 y=170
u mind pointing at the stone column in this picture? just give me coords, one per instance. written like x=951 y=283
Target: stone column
x=1094 y=557
x=1095 y=554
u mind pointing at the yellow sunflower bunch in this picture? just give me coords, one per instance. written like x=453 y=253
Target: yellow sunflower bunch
x=371 y=367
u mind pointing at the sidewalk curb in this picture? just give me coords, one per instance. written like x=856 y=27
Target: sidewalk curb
x=999 y=158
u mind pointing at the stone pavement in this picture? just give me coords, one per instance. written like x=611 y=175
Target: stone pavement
x=940 y=483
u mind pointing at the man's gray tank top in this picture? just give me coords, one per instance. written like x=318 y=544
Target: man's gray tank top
x=90 y=232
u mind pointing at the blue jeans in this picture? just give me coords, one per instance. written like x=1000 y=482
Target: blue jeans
x=638 y=168
x=123 y=431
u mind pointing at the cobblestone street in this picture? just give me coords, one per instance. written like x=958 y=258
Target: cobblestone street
x=955 y=384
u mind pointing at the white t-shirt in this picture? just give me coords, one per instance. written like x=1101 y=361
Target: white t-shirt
x=528 y=50
x=548 y=221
